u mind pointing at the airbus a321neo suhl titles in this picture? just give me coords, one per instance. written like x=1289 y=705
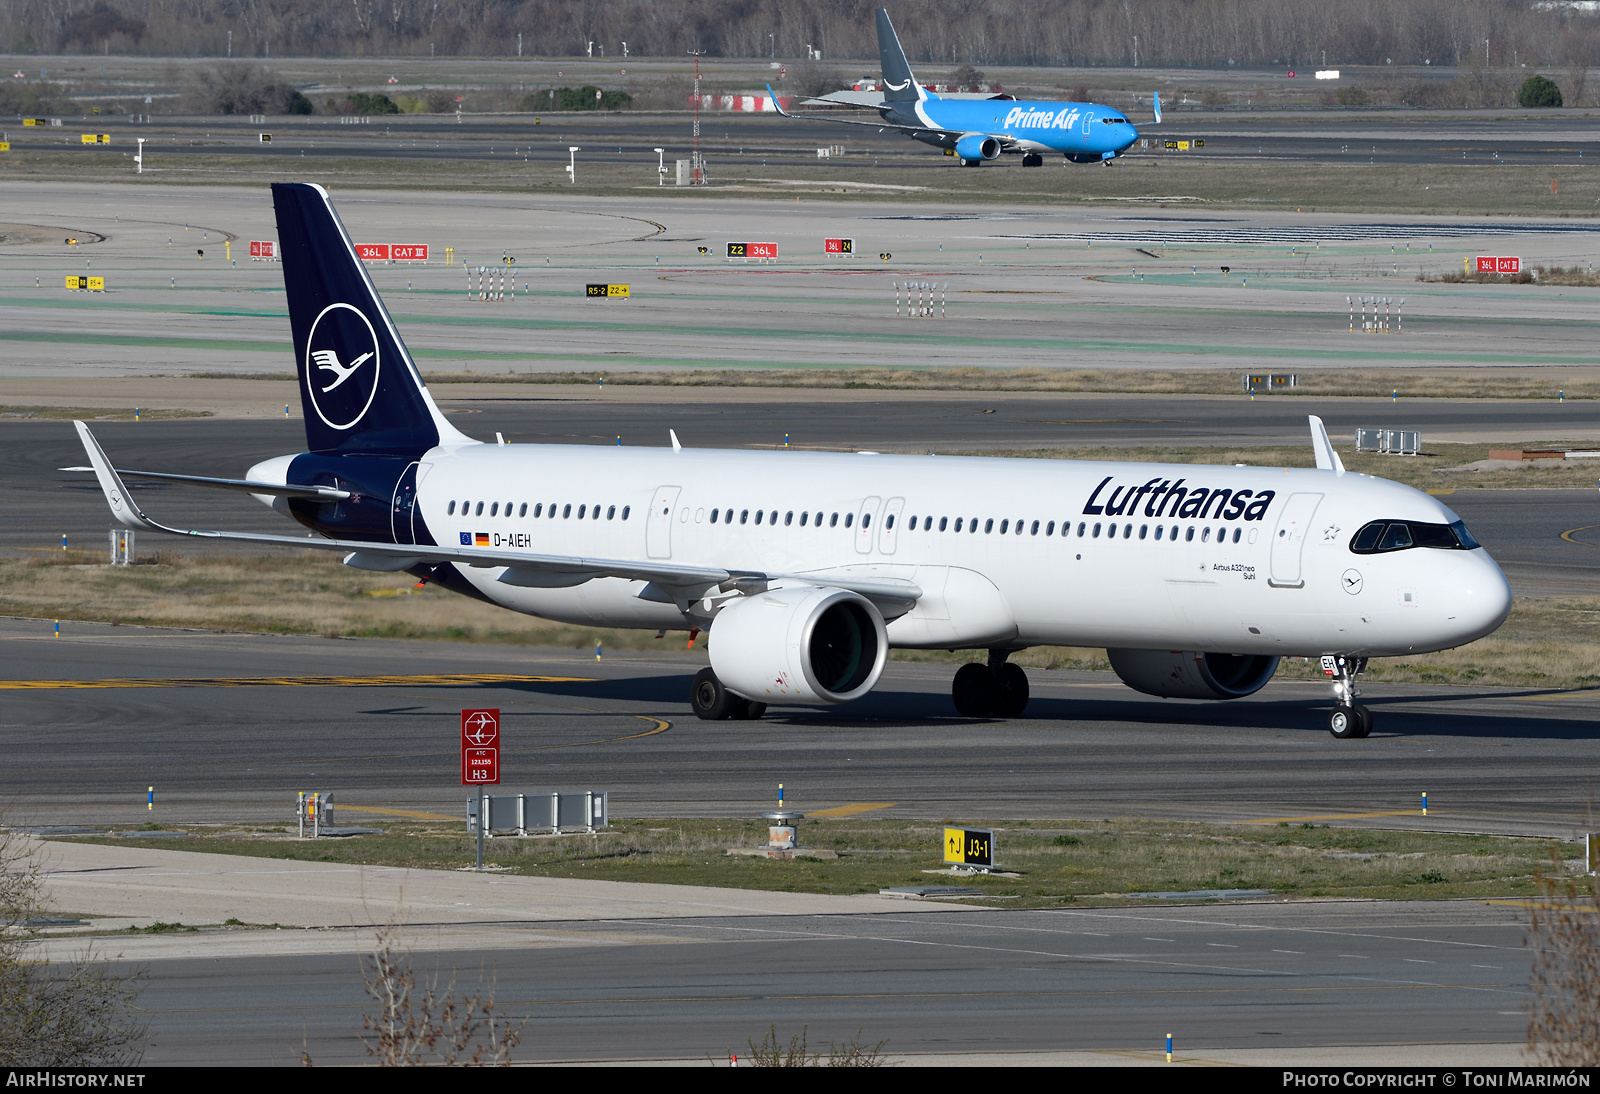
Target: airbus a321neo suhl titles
x=807 y=567
x=976 y=129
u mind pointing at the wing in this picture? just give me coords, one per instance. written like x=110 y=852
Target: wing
x=852 y=121
x=289 y=490
x=673 y=582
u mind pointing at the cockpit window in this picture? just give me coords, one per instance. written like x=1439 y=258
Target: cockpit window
x=1398 y=535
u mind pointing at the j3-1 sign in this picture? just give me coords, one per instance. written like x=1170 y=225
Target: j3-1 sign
x=480 y=747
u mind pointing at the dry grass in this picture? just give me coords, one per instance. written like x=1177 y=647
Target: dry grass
x=297 y=593
x=1536 y=382
x=96 y=413
x=1091 y=861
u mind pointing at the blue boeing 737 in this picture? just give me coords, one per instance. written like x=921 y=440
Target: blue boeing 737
x=984 y=129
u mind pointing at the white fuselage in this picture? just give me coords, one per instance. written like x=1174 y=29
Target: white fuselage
x=1231 y=570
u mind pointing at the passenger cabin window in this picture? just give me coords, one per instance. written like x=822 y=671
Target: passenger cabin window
x=479 y=511
x=1050 y=529
x=849 y=518
x=450 y=510
x=1003 y=526
x=1380 y=537
x=625 y=510
x=1035 y=530
x=944 y=522
x=522 y=510
x=788 y=518
x=988 y=526
x=566 y=511
x=744 y=515
x=1097 y=531
x=714 y=514
x=759 y=514
x=494 y=509
x=1144 y=530
x=611 y=513
x=866 y=519
x=1081 y=527
x=888 y=522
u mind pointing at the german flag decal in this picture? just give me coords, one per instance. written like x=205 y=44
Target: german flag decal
x=482 y=539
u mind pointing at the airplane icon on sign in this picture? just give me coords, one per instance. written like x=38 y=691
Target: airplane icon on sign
x=482 y=727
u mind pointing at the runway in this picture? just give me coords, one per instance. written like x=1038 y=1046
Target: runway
x=629 y=139
x=1017 y=286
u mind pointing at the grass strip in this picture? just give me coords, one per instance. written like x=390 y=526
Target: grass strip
x=1083 y=862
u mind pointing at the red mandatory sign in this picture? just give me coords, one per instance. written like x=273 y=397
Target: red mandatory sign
x=480 y=747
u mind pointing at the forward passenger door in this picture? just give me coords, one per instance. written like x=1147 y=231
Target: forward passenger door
x=1289 y=539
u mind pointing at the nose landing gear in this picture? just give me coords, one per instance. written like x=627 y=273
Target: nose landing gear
x=1348 y=719
x=999 y=688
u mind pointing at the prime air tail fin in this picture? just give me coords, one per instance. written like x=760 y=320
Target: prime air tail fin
x=1155 y=105
x=359 y=389
x=899 y=86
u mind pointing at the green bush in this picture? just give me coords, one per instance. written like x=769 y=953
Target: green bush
x=375 y=103
x=1538 y=91
x=587 y=97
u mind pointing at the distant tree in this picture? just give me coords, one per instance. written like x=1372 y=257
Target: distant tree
x=375 y=103
x=967 y=76
x=1538 y=91
x=587 y=97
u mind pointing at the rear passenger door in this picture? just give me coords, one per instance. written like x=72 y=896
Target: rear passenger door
x=864 y=529
x=891 y=525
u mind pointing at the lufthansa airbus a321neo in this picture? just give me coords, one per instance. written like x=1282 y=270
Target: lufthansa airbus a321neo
x=807 y=568
x=978 y=130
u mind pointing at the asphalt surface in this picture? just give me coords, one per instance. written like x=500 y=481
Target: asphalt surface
x=1268 y=978
x=1413 y=137
x=229 y=727
x=1523 y=529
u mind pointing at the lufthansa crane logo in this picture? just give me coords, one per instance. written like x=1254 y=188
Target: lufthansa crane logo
x=342 y=365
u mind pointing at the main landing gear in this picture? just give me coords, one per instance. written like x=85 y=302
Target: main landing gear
x=1032 y=159
x=1348 y=719
x=999 y=688
x=713 y=702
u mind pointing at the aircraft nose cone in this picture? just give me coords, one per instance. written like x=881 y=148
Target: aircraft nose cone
x=1479 y=595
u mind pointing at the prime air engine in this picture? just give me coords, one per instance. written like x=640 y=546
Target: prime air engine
x=1185 y=674
x=977 y=146
x=805 y=645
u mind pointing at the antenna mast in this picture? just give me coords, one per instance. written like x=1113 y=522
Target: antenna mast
x=697 y=166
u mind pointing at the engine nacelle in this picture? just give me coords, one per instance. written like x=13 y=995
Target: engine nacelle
x=803 y=645
x=1184 y=674
x=978 y=146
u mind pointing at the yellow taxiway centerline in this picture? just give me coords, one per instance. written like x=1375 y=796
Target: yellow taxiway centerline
x=434 y=680
x=1342 y=816
x=850 y=810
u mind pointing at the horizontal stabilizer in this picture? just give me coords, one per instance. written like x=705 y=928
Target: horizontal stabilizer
x=277 y=490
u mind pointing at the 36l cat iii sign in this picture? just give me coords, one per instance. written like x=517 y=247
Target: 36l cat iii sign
x=480 y=747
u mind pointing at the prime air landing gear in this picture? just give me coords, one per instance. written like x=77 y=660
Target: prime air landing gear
x=998 y=688
x=1349 y=719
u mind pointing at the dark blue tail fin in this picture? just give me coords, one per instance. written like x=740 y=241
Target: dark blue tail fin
x=899 y=85
x=359 y=389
